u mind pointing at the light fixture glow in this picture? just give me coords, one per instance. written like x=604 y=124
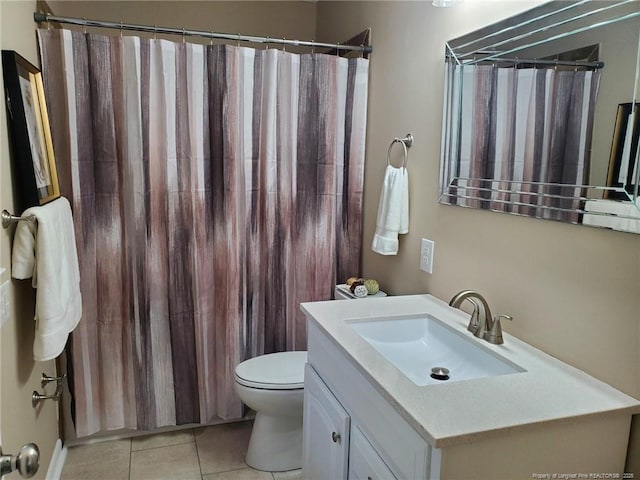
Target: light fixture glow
x=446 y=3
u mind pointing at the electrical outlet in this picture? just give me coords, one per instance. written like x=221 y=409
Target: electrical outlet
x=426 y=255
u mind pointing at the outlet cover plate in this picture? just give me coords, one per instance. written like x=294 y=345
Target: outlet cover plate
x=426 y=255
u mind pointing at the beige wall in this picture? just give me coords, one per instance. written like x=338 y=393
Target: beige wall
x=19 y=374
x=573 y=291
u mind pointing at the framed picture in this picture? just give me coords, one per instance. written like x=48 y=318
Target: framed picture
x=623 y=167
x=34 y=166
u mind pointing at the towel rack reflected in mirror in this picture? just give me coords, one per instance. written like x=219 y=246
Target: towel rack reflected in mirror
x=8 y=218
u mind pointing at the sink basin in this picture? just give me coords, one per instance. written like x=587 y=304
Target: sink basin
x=418 y=345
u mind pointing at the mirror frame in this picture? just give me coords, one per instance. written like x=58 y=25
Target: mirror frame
x=540 y=26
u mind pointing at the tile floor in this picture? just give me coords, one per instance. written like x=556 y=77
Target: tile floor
x=209 y=453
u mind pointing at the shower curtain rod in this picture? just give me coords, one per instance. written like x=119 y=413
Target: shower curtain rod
x=532 y=61
x=46 y=17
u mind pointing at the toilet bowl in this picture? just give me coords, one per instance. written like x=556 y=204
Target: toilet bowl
x=273 y=386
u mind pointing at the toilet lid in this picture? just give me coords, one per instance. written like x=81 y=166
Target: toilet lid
x=274 y=371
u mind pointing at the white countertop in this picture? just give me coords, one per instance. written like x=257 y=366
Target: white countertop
x=462 y=411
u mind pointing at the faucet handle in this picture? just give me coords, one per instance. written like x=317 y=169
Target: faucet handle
x=494 y=335
x=475 y=315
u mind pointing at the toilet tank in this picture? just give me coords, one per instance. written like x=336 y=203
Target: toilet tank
x=342 y=292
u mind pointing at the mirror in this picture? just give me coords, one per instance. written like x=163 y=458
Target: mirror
x=541 y=118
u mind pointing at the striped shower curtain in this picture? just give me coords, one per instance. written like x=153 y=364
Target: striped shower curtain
x=214 y=188
x=523 y=134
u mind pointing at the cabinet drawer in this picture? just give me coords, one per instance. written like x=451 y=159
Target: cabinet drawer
x=364 y=461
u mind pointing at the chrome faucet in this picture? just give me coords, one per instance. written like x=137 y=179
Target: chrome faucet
x=481 y=324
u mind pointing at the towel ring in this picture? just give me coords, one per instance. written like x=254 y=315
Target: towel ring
x=406 y=142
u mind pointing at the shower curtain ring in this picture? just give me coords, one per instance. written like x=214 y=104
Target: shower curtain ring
x=267 y=42
x=84 y=25
x=238 y=40
x=338 y=49
x=155 y=32
x=284 y=45
x=184 y=35
x=120 y=28
x=313 y=47
x=211 y=38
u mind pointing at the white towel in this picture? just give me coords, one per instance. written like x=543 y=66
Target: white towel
x=622 y=216
x=46 y=251
x=393 y=211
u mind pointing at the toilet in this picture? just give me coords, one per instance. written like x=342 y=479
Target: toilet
x=273 y=386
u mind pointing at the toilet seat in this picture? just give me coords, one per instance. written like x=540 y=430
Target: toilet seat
x=274 y=371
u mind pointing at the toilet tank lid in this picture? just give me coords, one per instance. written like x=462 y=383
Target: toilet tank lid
x=283 y=368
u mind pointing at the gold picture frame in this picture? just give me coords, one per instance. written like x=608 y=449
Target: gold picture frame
x=33 y=160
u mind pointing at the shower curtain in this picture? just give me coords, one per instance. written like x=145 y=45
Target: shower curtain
x=214 y=188
x=520 y=126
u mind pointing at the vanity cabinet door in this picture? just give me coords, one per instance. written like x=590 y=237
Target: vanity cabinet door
x=364 y=461
x=325 y=431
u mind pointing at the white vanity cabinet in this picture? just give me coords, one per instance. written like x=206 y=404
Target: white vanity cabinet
x=364 y=419
x=350 y=431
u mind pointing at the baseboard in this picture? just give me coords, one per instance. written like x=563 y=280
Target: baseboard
x=56 y=464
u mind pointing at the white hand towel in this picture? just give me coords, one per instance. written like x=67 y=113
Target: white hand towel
x=46 y=251
x=622 y=216
x=393 y=211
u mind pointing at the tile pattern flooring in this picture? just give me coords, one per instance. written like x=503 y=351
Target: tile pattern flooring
x=209 y=453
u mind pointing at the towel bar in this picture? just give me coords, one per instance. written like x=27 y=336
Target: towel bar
x=8 y=218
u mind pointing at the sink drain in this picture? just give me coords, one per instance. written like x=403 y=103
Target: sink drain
x=440 y=373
